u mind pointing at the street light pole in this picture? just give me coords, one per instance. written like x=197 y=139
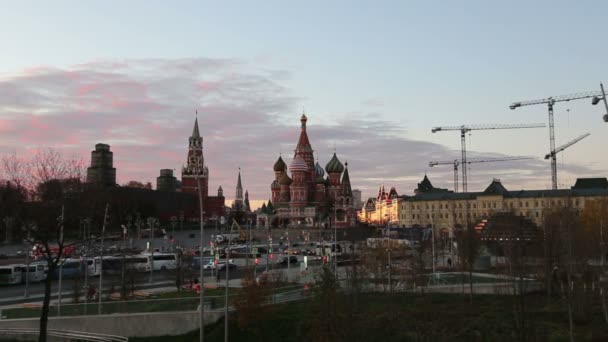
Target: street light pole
x=226 y=289
x=103 y=231
x=390 y=284
x=433 y=240
x=201 y=269
x=335 y=241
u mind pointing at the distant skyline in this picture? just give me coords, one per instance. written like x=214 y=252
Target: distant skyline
x=372 y=77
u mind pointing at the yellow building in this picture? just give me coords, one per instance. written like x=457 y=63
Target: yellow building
x=446 y=210
x=382 y=210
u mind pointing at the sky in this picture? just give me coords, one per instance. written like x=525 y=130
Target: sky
x=373 y=77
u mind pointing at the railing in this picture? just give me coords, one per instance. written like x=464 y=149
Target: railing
x=140 y=305
x=67 y=335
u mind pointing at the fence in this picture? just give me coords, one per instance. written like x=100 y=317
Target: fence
x=144 y=305
x=65 y=335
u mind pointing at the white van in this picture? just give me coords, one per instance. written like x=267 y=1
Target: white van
x=10 y=274
x=37 y=272
x=162 y=261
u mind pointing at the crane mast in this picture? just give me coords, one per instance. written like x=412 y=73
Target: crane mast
x=550 y=101
x=456 y=163
x=467 y=128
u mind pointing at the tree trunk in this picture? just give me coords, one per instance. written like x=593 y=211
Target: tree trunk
x=471 y=284
x=44 y=316
x=604 y=309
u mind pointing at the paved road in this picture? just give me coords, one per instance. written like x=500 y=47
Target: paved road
x=13 y=294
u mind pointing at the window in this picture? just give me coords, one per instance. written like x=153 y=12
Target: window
x=474 y=206
x=526 y=204
x=494 y=205
x=440 y=206
x=428 y=216
x=535 y=204
x=459 y=205
x=484 y=205
x=537 y=214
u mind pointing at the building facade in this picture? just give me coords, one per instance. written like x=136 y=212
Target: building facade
x=309 y=197
x=382 y=210
x=446 y=210
x=102 y=172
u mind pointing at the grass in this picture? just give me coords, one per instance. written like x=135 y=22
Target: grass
x=168 y=301
x=410 y=317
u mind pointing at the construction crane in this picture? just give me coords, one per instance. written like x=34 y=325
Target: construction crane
x=566 y=145
x=456 y=163
x=596 y=97
x=464 y=129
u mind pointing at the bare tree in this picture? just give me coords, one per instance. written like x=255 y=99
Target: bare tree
x=16 y=170
x=48 y=164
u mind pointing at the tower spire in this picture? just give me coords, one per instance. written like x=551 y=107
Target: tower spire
x=195 y=132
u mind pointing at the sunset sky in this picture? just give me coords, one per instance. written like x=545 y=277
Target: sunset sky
x=372 y=76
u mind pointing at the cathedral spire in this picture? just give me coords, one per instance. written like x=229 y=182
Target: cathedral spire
x=346 y=189
x=239 y=188
x=303 y=148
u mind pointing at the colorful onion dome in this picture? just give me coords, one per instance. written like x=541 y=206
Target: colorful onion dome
x=334 y=165
x=280 y=165
x=298 y=165
x=319 y=172
x=275 y=185
x=285 y=180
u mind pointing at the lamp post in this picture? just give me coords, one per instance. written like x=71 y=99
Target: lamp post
x=335 y=241
x=390 y=284
x=201 y=266
x=103 y=232
x=595 y=100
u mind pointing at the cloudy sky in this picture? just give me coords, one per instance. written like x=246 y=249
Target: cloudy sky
x=373 y=78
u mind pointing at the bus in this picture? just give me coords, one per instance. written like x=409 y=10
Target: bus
x=70 y=268
x=132 y=263
x=37 y=272
x=10 y=274
x=162 y=261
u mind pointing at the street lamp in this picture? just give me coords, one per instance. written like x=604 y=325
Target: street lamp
x=595 y=100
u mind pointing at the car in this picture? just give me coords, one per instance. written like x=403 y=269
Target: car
x=292 y=260
x=221 y=266
x=207 y=263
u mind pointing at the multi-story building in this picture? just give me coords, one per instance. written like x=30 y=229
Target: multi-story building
x=102 y=171
x=308 y=197
x=383 y=209
x=447 y=210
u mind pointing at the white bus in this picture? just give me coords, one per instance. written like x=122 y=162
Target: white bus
x=162 y=261
x=10 y=274
x=37 y=272
x=132 y=263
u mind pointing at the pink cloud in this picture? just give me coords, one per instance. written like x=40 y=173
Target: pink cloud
x=145 y=110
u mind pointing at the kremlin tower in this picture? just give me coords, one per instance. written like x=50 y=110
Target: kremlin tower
x=194 y=172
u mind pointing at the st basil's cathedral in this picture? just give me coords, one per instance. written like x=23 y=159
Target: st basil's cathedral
x=309 y=197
